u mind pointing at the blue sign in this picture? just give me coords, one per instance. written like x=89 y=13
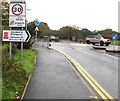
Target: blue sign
x=37 y=23
x=114 y=36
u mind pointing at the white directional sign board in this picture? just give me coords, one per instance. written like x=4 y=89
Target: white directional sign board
x=17 y=15
x=16 y=36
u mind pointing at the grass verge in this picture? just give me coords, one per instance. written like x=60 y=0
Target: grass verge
x=16 y=73
x=116 y=42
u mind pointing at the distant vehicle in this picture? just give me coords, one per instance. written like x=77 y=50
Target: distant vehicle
x=97 y=39
x=54 y=38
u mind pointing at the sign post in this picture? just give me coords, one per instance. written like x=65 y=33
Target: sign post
x=17 y=20
x=21 y=57
x=37 y=23
x=114 y=37
x=10 y=50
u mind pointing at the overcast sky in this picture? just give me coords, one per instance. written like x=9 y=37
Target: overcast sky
x=91 y=14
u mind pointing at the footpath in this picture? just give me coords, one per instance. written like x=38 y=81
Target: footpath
x=53 y=78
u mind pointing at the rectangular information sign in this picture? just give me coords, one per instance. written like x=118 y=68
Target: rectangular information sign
x=17 y=21
x=16 y=36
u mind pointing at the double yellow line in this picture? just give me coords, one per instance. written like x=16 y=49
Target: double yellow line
x=103 y=94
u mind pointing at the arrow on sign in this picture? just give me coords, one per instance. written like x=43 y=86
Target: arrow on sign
x=16 y=36
x=114 y=36
x=28 y=36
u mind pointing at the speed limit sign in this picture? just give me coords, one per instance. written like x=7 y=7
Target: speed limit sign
x=17 y=14
x=17 y=9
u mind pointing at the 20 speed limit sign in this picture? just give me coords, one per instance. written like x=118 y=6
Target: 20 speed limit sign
x=17 y=9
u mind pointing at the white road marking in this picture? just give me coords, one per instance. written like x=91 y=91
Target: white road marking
x=79 y=44
x=112 y=56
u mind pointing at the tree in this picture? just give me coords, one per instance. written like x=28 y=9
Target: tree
x=85 y=32
x=5 y=15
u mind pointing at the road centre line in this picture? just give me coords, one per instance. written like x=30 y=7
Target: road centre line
x=104 y=95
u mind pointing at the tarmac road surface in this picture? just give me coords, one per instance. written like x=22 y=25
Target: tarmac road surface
x=54 y=76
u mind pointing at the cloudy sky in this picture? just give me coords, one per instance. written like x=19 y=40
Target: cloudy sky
x=91 y=14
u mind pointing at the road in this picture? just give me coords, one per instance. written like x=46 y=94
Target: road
x=101 y=66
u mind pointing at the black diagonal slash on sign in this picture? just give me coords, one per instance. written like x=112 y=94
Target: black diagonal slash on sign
x=28 y=36
x=11 y=23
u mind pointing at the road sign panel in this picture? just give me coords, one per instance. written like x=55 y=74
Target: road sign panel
x=16 y=36
x=17 y=21
x=114 y=36
x=17 y=9
x=37 y=23
x=36 y=28
x=17 y=0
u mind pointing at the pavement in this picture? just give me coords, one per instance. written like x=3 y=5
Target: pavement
x=53 y=78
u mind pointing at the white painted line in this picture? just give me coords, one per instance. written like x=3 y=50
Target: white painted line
x=80 y=44
x=112 y=56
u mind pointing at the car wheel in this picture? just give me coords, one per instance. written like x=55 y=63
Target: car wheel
x=107 y=44
x=88 y=42
x=93 y=43
x=101 y=43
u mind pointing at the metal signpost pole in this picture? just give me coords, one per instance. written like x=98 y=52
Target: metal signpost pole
x=21 y=51
x=48 y=41
x=21 y=55
x=10 y=49
x=114 y=45
x=36 y=38
x=37 y=23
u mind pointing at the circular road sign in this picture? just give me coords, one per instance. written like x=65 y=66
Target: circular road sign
x=114 y=36
x=17 y=9
x=37 y=23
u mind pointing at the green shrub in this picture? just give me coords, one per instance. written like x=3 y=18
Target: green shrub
x=16 y=73
x=13 y=77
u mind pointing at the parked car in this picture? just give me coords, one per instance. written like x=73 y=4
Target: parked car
x=97 y=39
x=54 y=38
